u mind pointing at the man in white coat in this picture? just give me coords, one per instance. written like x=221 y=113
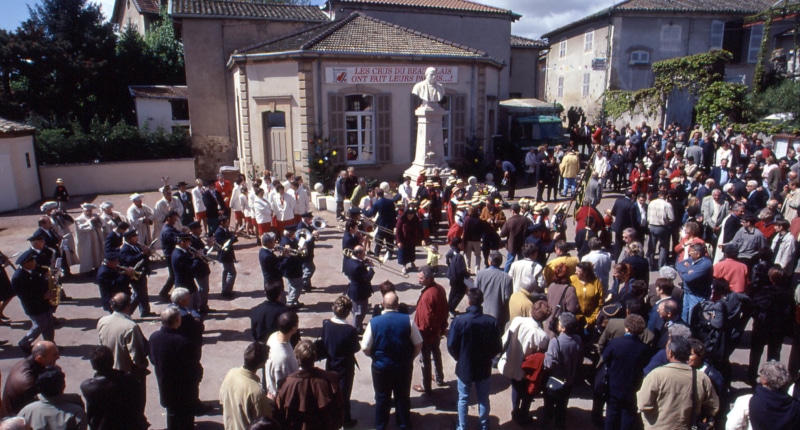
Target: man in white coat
x=110 y=217
x=90 y=238
x=165 y=205
x=141 y=217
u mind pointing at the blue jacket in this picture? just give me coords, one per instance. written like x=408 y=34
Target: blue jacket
x=184 y=267
x=625 y=358
x=697 y=276
x=360 y=287
x=386 y=210
x=473 y=341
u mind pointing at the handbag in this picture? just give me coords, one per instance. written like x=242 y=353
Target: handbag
x=555 y=386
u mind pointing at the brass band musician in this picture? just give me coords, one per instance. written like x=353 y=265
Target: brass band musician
x=30 y=283
x=113 y=279
x=132 y=254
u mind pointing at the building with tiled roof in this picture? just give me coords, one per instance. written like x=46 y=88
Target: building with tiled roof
x=161 y=106
x=583 y=62
x=526 y=77
x=18 y=169
x=459 y=6
x=138 y=13
x=246 y=9
x=351 y=80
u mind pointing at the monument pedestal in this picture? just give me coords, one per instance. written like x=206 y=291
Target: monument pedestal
x=430 y=146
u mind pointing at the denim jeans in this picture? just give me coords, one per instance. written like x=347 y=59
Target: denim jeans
x=510 y=258
x=660 y=234
x=228 y=277
x=482 y=389
x=308 y=271
x=569 y=183
x=295 y=290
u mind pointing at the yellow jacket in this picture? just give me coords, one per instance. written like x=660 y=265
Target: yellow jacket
x=570 y=166
x=590 y=298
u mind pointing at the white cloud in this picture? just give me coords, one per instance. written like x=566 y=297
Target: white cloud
x=541 y=16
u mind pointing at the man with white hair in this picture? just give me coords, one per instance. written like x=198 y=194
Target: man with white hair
x=90 y=238
x=163 y=206
x=429 y=90
x=140 y=217
x=714 y=209
x=110 y=217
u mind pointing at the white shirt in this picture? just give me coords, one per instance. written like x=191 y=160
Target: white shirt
x=526 y=268
x=281 y=363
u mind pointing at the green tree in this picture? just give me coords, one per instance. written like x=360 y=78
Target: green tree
x=68 y=71
x=164 y=52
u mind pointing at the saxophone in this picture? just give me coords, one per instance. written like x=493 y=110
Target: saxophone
x=54 y=282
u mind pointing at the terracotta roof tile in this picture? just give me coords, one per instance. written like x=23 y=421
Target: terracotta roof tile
x=11 y=127
x=742 y=7
x=171 y=92
x=361 y=34
x=247 y=9
x=735 y=6
x=524 y=42
x=147 y=6
x=462 y=5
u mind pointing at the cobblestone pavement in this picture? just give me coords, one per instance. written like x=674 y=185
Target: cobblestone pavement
x=228 y=329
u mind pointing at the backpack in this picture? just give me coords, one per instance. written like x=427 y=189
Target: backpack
x=720 y=325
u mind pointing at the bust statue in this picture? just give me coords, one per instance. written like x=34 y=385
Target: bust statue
x=429 y=90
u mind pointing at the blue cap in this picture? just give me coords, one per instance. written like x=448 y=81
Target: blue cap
x=26 y=256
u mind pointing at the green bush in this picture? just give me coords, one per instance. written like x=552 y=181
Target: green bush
x=106 y=142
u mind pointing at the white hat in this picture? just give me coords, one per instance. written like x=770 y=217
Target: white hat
x=162 y=189
x=106 y=205
x=87 y=206
x=46 y=206
x=136 y=196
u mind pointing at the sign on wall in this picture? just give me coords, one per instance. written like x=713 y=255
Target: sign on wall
x=388 y=74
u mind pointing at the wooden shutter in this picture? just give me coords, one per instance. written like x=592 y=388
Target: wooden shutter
x=383 y=132
x=336 y=104
x=459 y=121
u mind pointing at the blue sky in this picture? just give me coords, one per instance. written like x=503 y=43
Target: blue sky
x=538 y=16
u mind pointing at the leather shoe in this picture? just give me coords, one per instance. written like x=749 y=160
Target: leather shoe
x=148 y=314
x=421 y=389
x=348 y=424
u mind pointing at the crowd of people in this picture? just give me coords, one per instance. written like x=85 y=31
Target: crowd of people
x=714 y=213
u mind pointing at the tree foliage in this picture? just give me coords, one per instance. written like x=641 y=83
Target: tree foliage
x=720 y=102
x=105 y=142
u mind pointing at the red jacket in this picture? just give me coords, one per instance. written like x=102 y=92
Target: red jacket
x=226 y=189
x=432 y=313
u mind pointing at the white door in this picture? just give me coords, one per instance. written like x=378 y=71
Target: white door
x=8 y=198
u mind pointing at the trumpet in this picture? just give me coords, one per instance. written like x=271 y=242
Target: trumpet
x=391 y=246
x=380 y=262
x=292 y=252
x=202 y=256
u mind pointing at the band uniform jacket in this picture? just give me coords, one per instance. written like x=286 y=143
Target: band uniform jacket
x=111 y=281
x=291 y=266
x=270 y=265
x=113 y=242
x=130 y=255
x=44 y=256
x=221 y=237
x=184 y=266
x=169 y=239
x=203 y=268
x=31 y=287
x=360 y=287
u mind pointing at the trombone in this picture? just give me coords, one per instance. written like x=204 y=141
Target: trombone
x=379 y=261
x=383 y=243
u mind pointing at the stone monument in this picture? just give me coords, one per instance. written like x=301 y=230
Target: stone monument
x=430 y=145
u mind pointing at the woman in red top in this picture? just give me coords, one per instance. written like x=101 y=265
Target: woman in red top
x=640 y=179
x=689 y=237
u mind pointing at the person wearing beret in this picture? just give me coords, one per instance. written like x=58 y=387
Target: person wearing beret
x=306 y=221
x=225 y=238
x=130 y=254
x=113 y=279
x=140 y=217
x=30 y=284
